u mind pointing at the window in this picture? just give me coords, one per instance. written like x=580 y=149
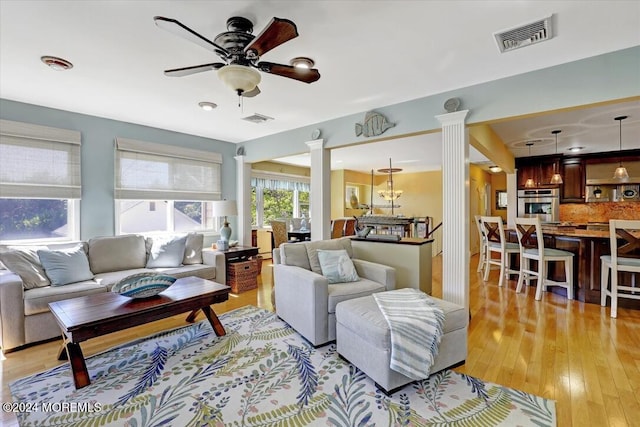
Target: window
x=40 y=183
x=278 y=196
x=163 y=188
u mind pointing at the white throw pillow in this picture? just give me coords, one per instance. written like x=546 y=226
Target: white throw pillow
x=167 y=251
x=25 y=263
x=336 y=266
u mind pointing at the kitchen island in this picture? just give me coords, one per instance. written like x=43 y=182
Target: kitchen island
x=588 y=246
x=411 y=257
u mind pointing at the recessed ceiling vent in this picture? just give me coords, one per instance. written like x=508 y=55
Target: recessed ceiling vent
x=257 y=118
x=524 y=35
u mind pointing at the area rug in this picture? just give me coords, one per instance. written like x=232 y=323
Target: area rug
x=262 y=373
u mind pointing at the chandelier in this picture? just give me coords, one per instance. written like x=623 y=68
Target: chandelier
x=390 y=194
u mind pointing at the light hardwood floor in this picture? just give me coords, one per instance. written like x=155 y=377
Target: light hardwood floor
x=568 y=351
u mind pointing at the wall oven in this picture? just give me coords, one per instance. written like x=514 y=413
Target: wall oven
x=539 y=202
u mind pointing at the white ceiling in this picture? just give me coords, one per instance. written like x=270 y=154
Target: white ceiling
x=369 y=53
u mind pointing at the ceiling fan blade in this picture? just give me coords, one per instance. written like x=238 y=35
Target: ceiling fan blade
x=275 y=33
x=301 y=74
x=186 y=71
x=181 y=30
x=251 y=93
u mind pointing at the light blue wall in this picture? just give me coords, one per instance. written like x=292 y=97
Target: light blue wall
x=98 y=136
x=601 y=78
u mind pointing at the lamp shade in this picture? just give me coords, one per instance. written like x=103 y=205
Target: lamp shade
x=239 y=77
x=224 y=208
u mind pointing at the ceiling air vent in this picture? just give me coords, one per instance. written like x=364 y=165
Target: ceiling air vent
x=257 y=118
x=524 y=35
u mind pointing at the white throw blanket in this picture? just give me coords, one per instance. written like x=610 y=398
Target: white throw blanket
x=415 y=323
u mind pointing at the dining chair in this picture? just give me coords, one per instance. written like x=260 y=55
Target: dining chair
x=531 y=244
x=482 y=241
x=279 y=230
x=337 y=228
x=496 y=243
x=624 y=237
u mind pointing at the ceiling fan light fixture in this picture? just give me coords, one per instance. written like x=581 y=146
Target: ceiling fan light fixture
x=240 y=78
x=207 y=106
x=302 y=62
x=56 y=63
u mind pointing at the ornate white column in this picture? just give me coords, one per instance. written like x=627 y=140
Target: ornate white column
x=455 y=195
x=320 y=195
x=243 y=200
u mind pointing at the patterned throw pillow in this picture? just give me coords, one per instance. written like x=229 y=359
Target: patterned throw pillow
x=143 y=285
x=336 y=266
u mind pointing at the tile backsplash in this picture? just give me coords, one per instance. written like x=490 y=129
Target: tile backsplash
x=599 y=212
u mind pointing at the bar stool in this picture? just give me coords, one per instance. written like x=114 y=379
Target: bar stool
x=625 y=256
x=495 y=238
x=532 y=248
x=482 y=240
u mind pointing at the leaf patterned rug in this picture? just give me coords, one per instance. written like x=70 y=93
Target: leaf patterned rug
x=262 y=373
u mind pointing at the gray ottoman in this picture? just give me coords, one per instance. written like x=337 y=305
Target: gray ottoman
x=363 y=338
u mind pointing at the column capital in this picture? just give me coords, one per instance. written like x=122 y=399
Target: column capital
x=452 y=118
x=316 y=144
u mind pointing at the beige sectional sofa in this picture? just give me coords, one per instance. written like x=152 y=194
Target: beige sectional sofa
x=26 y=292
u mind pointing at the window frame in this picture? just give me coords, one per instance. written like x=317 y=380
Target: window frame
x=70 y=190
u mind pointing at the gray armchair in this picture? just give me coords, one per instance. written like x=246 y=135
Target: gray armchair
x=306 y=300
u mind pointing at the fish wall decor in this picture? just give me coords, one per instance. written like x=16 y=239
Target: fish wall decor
x=374 y=124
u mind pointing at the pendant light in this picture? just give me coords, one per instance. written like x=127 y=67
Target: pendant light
x=529 y=183
x=621 y=172
x=556 y=178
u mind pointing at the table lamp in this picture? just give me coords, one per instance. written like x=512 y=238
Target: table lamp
x=224 y=208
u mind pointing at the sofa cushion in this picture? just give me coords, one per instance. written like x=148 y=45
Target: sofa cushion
x=25 y=263
x=363 y=317
x=117 y=253
x=333 y=244
x=193 y=249
x=361 y=288
x=294 y=254
x=37 y=300
x=336 y=266
x=166 y=251
x=203 y=271
x=65 y=266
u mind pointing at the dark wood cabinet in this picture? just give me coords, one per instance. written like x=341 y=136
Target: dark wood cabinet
x=573 y=176
x=540 y=169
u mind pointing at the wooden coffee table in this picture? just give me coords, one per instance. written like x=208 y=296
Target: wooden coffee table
x=99 y=314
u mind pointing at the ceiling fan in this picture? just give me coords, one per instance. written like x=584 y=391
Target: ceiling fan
x=241 y=51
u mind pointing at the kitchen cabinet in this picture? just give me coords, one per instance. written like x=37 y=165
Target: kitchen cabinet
x=572 y=189
x=540 y=169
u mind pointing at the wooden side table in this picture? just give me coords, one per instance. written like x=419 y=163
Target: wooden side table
x=238 y=253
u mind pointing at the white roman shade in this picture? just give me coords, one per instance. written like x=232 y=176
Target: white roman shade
x=39 y=161
x=150 y=171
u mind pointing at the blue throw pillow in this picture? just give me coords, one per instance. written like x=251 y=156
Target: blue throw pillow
x=336 y=266
x=167 y=252
x=65 y=266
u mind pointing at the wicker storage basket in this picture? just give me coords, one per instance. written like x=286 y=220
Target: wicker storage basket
x=243 y=275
